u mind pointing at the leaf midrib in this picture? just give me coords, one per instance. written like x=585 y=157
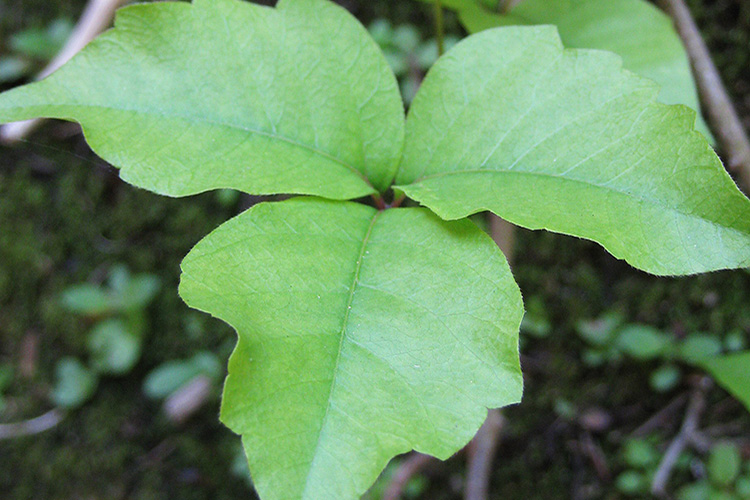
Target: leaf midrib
x=208 y=121
x=653 y=201
x=350 y=300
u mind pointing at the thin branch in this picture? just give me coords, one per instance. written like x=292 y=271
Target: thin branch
x=31 y=427
x=723 y=116
x=688 y=435
x=439 y=27
x=95 y=19
x=658 y=419
x=410 y=468
x=480 y=461
x=188 y=399
x=596 y=455
x=379 y=203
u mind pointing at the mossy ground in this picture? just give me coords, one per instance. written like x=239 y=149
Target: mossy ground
x=65 y=218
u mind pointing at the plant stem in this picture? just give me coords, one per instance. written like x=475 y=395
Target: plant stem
x=727 y=125
x=685 y=437
x=379 y=201
x=33 y=426
x=410 y=468
x=439 y=27
x=482 y=453
x=398 y=201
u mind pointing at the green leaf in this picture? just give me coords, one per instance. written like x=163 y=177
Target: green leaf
x=75 y=384
x=42 y=44
x=665 y=378
x=228 y=94
x=13 y=68
x=696 y=491
x=87 y=299
x=724 y=464
x=743 y=487
x=731 y=372
x=635 y=30
x=140 y=290
x=167 y=378
x=631 y=483
x=642 y=342
x=640 y=454
x=599 y=332
x=114 y=348
x=566 y=140
x=698 y=346
x=362 y=335
x=172 y=375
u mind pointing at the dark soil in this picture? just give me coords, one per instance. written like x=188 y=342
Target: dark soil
x=66 y=218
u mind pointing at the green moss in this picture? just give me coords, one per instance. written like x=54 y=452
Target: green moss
x=65 y=219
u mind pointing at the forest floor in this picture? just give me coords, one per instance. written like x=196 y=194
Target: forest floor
x=66 y=218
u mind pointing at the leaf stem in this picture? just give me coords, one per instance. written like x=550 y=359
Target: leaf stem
x=33 y=426
x=398 y=201
x=439 y=27
x=379 y=202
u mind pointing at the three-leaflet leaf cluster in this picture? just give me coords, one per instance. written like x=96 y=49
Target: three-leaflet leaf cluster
x=366 y=333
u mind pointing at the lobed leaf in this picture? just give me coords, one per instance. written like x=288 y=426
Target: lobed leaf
x=636 y=30
x=566 y=140
x=227 y=94
x=362 y=335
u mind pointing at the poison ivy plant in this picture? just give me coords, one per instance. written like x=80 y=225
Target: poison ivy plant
x=635 y=30
x=366 y=332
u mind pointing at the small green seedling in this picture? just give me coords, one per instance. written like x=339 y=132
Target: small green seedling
x=33 y=47
x=75 y=384
x=725 y=479
x=170 y=377
x=641 y=459
x=116 y=339
x=610 y=342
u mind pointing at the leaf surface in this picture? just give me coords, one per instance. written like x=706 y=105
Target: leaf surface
x=566 y=140
x=362 y=335
x=228 y=94
x=635 y=30
x=731 y=371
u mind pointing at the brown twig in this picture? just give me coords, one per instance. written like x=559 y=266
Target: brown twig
x=29 y=358
x=721 y=111
x=658 y=419
x=688 y=435
x=32 y=426
x=483 y=452
x=97 y=16
x=595 y=454
x=188 y=399
x=412 y=466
